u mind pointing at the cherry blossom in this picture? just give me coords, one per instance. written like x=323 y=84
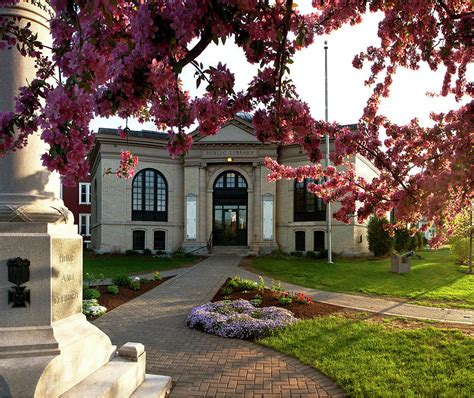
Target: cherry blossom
x=125 y=58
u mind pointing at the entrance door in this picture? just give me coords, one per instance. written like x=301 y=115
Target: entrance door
x=230 y=225
x=230 y=210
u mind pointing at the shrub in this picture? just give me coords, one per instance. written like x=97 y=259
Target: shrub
x=323 y=254
x=380 y=242
x=160 y=253
x=147 y=252
x=144 y=280
x=238 y=319
x=402 y=240
x=242 y=284
x=227 y=290
x=257 y=300
x=277 y=287
x=130 y=252
x=277 y=253
x=91 y=279
x=261 y=284
x=92 y=308
x=135 y=283
x=121 y=280
x=296 y=254
x=113 y=289
x=285 y=299
x=459 y=249
x=413 y=243
x=420 y=238
x=156 y=276
x=89 y=293
x=179 y=254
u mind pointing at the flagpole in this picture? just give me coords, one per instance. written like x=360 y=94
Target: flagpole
x=326 y=118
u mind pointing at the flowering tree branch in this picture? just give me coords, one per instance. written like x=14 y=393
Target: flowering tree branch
x=125 y=58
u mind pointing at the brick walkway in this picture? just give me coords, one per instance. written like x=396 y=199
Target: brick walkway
x=202 y=364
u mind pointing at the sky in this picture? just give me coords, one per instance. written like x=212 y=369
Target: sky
x=347 y=93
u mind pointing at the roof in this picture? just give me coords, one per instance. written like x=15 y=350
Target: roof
x=158 y=135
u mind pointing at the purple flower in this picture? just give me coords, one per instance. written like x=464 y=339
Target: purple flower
x=238 y=319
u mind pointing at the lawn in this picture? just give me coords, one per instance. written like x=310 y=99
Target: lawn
x=113 y=265
x=376 y=360
x=433 y=280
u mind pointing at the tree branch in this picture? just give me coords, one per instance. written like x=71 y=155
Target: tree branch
x=192 y=54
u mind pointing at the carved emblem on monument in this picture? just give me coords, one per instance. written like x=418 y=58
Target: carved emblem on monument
x=18 y=273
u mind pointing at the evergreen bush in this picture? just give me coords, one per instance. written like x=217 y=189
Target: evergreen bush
x=380 y=242
x=402 y=240
x=89 y=294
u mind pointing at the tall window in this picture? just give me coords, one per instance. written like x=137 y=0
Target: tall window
x=84 y=193
x=307 y=206
x=159 y=240
x=85 y=224
x=138 y=240
x=318 y=241
x=149 y=196
x=300 y=238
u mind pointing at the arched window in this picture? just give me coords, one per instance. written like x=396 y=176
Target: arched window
x=307 y=206
x=230 y=180
x=149 y=196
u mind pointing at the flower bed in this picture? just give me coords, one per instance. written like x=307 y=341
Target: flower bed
x=302 y=306
x=238 y=319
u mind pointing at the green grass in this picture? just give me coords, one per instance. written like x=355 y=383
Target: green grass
x=435 y=279
x=114 y=265
x=373 y=360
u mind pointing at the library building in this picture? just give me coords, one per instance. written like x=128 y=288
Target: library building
x=217 y=197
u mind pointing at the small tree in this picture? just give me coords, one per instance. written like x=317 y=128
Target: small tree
x=402 y=240
x=460 y=240
x=421 y=243
x=380 y=242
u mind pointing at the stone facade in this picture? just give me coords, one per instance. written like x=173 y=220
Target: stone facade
x=267 y=218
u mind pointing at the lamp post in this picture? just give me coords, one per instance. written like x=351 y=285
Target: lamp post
x=326 y=117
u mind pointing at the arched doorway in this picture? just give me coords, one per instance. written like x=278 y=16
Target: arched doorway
x=230 y=209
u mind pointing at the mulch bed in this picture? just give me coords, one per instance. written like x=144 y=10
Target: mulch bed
x=316 y=309
x=269 y=299
x=111 y=301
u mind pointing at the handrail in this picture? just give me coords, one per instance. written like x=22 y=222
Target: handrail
x=210 y=242
x=208 y=246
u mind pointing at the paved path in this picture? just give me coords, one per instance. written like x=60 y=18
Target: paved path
x=202 y=364
x=377 y=305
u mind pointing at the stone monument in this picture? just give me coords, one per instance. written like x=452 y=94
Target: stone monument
x=47 y=347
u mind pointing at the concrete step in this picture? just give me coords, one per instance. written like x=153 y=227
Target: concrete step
x=230 y=251
x=153 y=387
x=124 y=376
x=118 y=378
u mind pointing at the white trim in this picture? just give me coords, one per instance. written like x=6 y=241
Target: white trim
x=88 y=224
x=87 y=185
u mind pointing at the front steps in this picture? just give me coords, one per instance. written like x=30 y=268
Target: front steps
x=123 y=376
x=241 y=251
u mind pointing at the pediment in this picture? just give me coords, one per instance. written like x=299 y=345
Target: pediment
x=232 y=132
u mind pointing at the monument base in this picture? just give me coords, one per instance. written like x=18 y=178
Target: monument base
x=47 y=346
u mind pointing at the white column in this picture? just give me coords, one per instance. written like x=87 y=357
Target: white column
x=257 y=205
x=202 y=205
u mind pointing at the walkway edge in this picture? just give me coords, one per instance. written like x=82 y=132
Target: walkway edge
x=378 y=305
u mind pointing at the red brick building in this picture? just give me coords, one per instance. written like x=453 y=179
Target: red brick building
x=78 y=201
